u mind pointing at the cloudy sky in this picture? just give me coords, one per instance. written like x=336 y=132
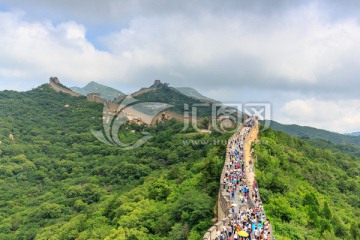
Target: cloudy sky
x=301 y=56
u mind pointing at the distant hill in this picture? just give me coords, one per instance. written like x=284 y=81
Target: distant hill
x=353 y=134
x=191 y=92
x=106 y=92
x=310 y=132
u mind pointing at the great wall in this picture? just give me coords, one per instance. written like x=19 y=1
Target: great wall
x=225 y=215
x=153 y=87
x=58 y=87
x=112 y=107
x=227 y=203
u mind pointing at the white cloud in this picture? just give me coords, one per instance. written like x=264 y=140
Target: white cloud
x=336 y=115
x=33 y=50
x=298 y=49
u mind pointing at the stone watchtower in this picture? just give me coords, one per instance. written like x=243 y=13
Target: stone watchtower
x=55 y=80
x=156 y=84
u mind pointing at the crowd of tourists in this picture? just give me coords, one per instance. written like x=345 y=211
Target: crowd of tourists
x=248 y=219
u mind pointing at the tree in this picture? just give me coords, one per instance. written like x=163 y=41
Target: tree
x=311 y=201
x=328 y=235
x=160 y=189
x=354 y=230
x=326 y=212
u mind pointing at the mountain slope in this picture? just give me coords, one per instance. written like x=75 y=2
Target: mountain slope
x=310 y=132
x=308 y=192
x=161 y=92
x=107 y=93
x=57 y=181
x=191 y=92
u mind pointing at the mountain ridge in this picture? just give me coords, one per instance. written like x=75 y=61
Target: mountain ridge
x=162 y=93
x=312 y=132
x=353 y=133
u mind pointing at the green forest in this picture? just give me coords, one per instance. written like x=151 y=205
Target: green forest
x=57 y=181
x=310 y=187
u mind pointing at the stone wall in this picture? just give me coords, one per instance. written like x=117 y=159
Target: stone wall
x=224 y=213
x=113 y=107
x=55 y=84
x=95 y=97
x=224 y=204
x=141 y=91
x=166 y=115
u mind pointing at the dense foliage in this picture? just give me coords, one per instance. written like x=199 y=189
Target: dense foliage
x=57 y=181
x=309 y=191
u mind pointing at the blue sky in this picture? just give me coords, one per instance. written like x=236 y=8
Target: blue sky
x=301 y=56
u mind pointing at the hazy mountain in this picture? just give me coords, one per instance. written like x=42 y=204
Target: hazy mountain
x=353 y=134
x=191 y=92
x=311 y=132
x=106 y=92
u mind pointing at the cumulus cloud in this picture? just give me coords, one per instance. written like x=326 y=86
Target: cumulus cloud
x=280 y=50
x=299 y=48
x=33 y=51
x=336 y=115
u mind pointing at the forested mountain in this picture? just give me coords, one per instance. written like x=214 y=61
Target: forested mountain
x=106 y=92
x=165 y=94
x=59 y=182
x=310 y=132
x=308 y=192
x=158 y=92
